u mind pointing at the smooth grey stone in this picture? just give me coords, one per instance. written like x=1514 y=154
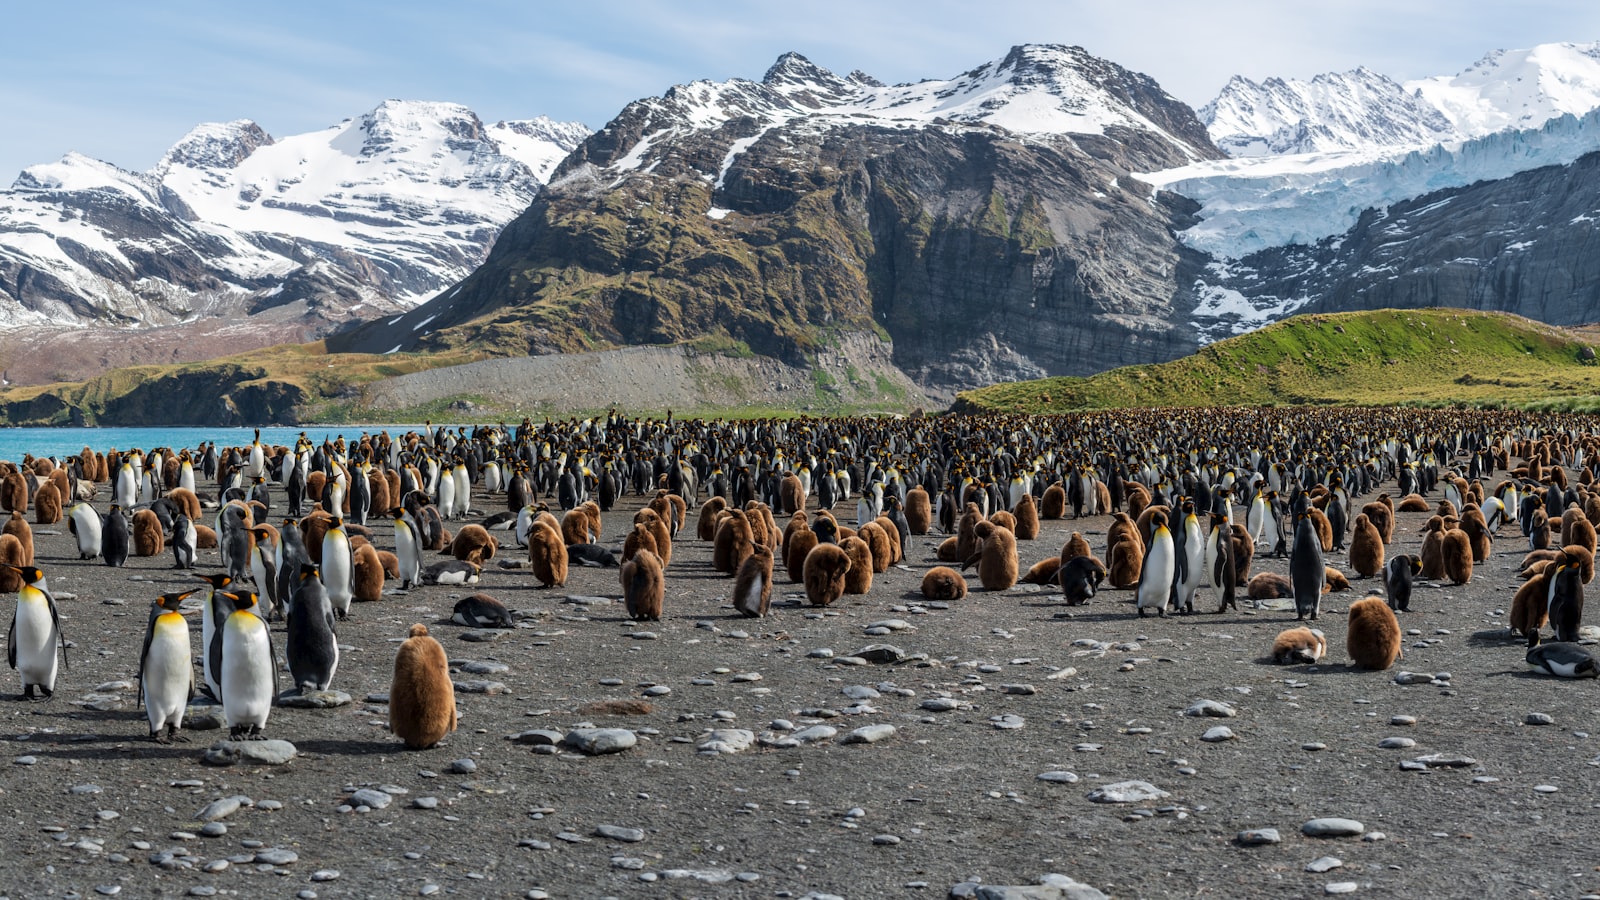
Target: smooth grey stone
x=850 y=661
x=745 y=677
x=1412 y=678
x=109 y=890
x=1058 y=777
x=314 y=699
x=1396 y=743
x=893 y=625
x=860 y=692
x=1127 y=792
x=880 y=654
x=325 y=875
x=1546 y=788
x=370 y=797
x=1313 y=746
x=425 y=803
x=1007 y=722
x=599 y=741
x=537 y=736
x=942 y=704
x=820 y=653
x=1402 y=720
x=619 y=833
x=1218 y=734
x=484 y=667
x=374 y=697
x=657 y=690
x=25 y=760
x=1021 y=690
x=461 y=767
x=726 y=740
x=213 y=829
x=1051 y=887
x=276 y=856
x=480 y=686
x=1340 y=887
x=1324 y=864
x=221 y=809
x=645 y=636
x=1446 y=761
x=84 y=789
x=631 y=863
x=781 y=725
x=261 y=753
x=885 y=839
x=1332 y=827
x=815 y=733
x=869 y=734
x=1538 y=719
x=1255 y=837
x=1211 y=708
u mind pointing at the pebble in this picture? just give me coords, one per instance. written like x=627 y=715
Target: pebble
x=213 y=829
x=480 y=686
x=1538 y=719
x=1256 y=837
x=370 y=798
x=1546 y=788
x=885 y=839
x=1022 y=690
x=462 y=766
x=109 y=890
x=1324 y=864
x=202 y=890
x=1007 y=722
x=645 y=636
x=942 y=704
x=25 y=760
x=745 y=677
x=1126 y=792
x=425 y=803
x=264 y=753
x=84 y=789
x=315 y=699
x=483 y=635
x=1332 y=827
x=657 y=690
x=220 y=809
x=815 y=733
x=1218 y=734
x=325 y=875
x=860 y=692
x=1313 y=746
x=276 y=856
x=1340 y=887
x=726 y=740
x=1396 y=743
x=1058 y=777
x=618 y=833
x=820 y=653
x=1211 y=708
x=599 y=741
x=869 y=734
x=484 y=667
x=1402 y=720
x=1446 y=761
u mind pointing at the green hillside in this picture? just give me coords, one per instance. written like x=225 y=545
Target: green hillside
x=1419 y=357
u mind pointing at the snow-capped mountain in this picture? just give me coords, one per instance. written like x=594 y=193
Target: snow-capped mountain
x=1355 y=110
x=985 y=221
x=366 y=216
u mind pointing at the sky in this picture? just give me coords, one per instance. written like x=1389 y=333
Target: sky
x=123 y=81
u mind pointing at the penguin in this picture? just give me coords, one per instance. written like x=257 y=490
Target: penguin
x=453 y=571
x=407 y=548
x=918 y=511
x=1373 y=636
x=184 y=541
x=944 y=584
x=474 y=543
x=242 y=656
x=996 y=557
x=752 y=584
x=148 y=537
x=84 y=523
x=367 y=574
x=1221 y=570
x=1456 y=548
x=47 y=504
x=1306 y=569
x=1398 y=574
x=1563 y=660
x=1366 y=548
x=1045 y=571
x=338 y=569
x=823 y=573
x=859 y=579
x=35 y=635
x=1079 y=578
x=166 y=668
x=591 y=556
x=1027 y=516
x=1053 y=505
x=422 y=699
x=1189 y=555
x=1159 y=571
x=309 y=641
x=547 y=554
x=643 y=586
x=114 y=538
x=210 y=615
x=1566 y=602
x=1299 y=645
x=481 y=611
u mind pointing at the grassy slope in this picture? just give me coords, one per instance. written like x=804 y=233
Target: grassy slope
x=1423 y=357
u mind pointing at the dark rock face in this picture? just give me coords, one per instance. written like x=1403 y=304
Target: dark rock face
x=1527 y=244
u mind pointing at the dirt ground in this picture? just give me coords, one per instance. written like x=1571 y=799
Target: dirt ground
x=950 y=797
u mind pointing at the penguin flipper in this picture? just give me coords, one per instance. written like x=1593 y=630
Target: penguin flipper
x=144 y=652
x=214 y=652
x=55 y=621
x=11 y=641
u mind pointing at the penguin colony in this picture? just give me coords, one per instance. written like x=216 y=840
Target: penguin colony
x=288 y=543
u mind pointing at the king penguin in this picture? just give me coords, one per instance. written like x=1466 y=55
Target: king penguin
x=1160 y=568
x=1563 y=660
x=166 y=668
x=242 y=656
x=35 y=634
x=114 y=538
x=210 y=615
x=184 y=541
x=1306 y=570
x=338 y=568
x=408 y=547
x=309 y=642
x=85 y=525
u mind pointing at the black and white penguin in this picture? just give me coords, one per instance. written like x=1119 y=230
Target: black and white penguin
x=1307 y=571
x=1566 y=602
x=1563 y=660
x=482 y=611
x=1159 y=573
x=35 y=635
x=115 y=538
x=591 y=555
x=166 y=668
x=338 y=568
x=1079 y=578
x=1398 y=574
x=184 y=541
x=452 y=571
x=310 y=644
x=85 y=525
x=242 y=656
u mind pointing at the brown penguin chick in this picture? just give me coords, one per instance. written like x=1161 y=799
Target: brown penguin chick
x=1324 y=528
x=825 y=568
x=1042 y=572
x=1455 y=548
x=733 y=544
x=1366 y=548
x=967 y=541
x=859 y=579
x=790 y=496
x=640 y=537
x=1432 y=552
x=643 y=586
x=1446 y=509
x=919 y=510
x=1536 y=558
x=596 y=524
x=368 y=574
x=1027 y=516
x=1373 y=636
x=1299 y=645
x=1530 y=608
x=1333 y=581
x=422 y=699
x=1053 y=505
x=18 y=527
x=63 y=484
x=316 y=481
x=1381 y=515
x=46 y=504
x=996 y=557
x=797 y=522
x=1244 y=553
x=878 y=545
x=1005 y=520
x=752 y=584
x=706 y=526
x=763 y=514
x=795 y=549
x=11 y=554
x=1477 y=529
x=575 y=526
x=1076 y=546
x=1412 y=503
x=547 y=555
x=14 y=492
x=946 y=551
x=390 y=563
x=313 y=528
x=1571 y=520
x=1582 y=557
x=1539 y=530
x=660 y=526
x=1125 y=562
x=1102 y=495
x=896 y=551
x=378 y=496
x=474 y=544
x=147 y=536
x=1124 y=528
x=205 y=537
x=187 y=502
x=1269 y=586
x=946 y=584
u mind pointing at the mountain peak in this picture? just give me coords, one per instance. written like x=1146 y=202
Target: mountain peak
x=216 y=145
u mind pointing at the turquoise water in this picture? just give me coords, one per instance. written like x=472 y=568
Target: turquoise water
x=14 y=442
